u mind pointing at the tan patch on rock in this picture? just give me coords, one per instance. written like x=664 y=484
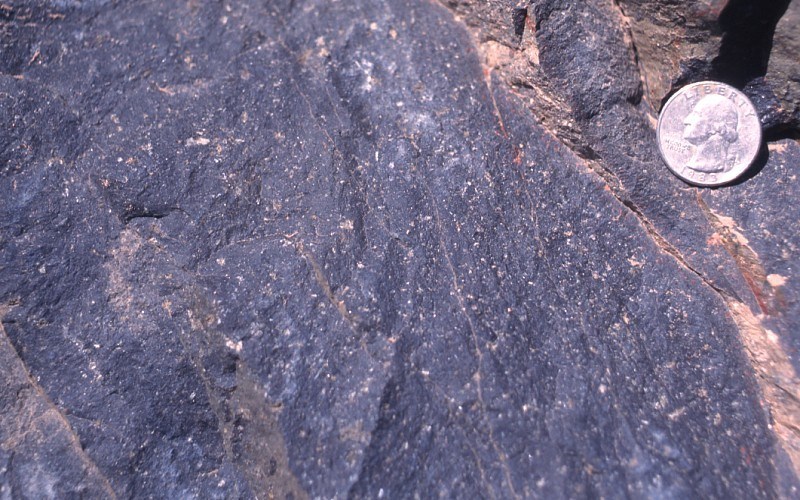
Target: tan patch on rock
x=34 y=422
x=776 y=376
x=120 y=292
x=776 y=280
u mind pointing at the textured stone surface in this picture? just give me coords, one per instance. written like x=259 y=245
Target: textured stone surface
x=40 y=455
x=783 y=72
x=328 y=249
x=684 y=41
x=673 y=40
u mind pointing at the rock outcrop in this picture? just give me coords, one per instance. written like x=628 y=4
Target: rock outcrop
x=370 y=249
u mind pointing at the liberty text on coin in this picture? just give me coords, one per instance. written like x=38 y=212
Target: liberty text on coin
x=708 y=133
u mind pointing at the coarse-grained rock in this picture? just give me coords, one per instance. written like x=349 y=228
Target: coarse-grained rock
x=364 y=249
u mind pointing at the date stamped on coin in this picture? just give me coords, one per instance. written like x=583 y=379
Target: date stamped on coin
x=708 y=133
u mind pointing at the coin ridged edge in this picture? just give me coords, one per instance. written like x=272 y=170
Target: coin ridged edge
x=760 y=135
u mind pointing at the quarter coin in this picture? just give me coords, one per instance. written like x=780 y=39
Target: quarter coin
x=708 y=133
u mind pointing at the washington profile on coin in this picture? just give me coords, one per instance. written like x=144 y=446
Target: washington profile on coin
x=708 y=133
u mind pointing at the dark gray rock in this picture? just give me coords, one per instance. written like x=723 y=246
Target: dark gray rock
x=40 y=455
x=783 y=74
x=317 y=249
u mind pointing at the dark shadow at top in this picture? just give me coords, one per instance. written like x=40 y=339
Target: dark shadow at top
x=748 y=29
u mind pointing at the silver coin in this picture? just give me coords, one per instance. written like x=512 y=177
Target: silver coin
x=708 y=133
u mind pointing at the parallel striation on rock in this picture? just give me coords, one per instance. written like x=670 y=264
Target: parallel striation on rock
x=315 y=249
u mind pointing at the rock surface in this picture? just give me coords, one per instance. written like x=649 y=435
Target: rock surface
x=783 y=72
x=302 y=249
